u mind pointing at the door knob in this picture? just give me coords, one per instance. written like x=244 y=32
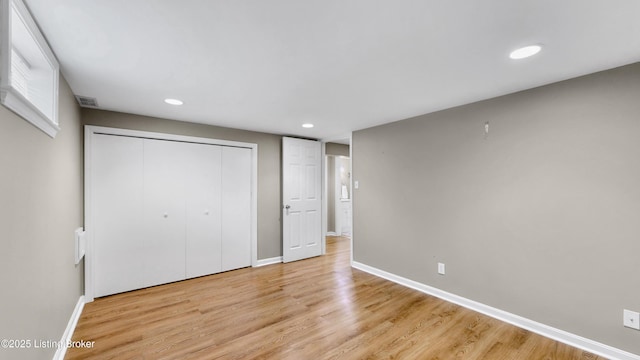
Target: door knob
x=287 y=207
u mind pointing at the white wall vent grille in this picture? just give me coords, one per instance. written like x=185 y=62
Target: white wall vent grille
x=86 y=101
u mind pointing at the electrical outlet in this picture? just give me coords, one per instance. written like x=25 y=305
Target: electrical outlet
x=631 y=319
x=440 y=268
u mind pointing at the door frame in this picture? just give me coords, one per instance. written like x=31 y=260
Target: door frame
x=90 y=131
x=323 y=187
x=325 y=201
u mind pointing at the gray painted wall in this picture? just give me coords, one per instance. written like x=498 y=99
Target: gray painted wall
x=269 y=173
x=336 y=149
x=541 y=218
x=41 y=201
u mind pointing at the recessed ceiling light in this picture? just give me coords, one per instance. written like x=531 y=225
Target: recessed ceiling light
x=173 y=101
x=525 y=52
x=307 y=125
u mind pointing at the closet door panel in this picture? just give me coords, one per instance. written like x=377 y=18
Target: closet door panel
x=162 y=248
x=203 y=197
x=164 y=210
x=117 y=202
x=236 y=208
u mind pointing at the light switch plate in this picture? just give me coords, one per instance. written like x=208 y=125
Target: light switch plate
x=631 y=319
x=441 y=268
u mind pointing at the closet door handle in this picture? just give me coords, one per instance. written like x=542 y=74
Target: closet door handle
x=287 y=207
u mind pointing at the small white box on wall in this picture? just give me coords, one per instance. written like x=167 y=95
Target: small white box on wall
x=80 y=244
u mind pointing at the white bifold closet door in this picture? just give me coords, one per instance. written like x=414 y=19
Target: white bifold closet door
x=118 y=207
x=203 y=188
x=161 y=249
x=236 y=207
x=167 y=210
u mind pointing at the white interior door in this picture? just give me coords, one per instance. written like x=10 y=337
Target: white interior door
x=301 y=199
x=236 y=208
x=117 y=173
x=162 y=248
x=203 y=194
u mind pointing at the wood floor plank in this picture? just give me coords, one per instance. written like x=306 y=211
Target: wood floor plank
x=318 y=308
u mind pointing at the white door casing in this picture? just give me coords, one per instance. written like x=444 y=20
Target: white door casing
x=301 y=199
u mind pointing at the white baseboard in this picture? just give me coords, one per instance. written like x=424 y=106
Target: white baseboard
x=68 y=332
x=519 y=321
x=273 y=260
x=331 y=233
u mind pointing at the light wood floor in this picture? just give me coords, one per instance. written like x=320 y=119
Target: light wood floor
x=318 y=308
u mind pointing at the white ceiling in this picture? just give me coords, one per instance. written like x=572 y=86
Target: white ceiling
x=344 y=65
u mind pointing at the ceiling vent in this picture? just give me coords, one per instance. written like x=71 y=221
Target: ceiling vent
x=86 y=101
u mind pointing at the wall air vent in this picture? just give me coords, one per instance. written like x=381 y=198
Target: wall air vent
x=86 y=101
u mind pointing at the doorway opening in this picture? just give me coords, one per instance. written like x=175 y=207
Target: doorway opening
x=338 y=170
